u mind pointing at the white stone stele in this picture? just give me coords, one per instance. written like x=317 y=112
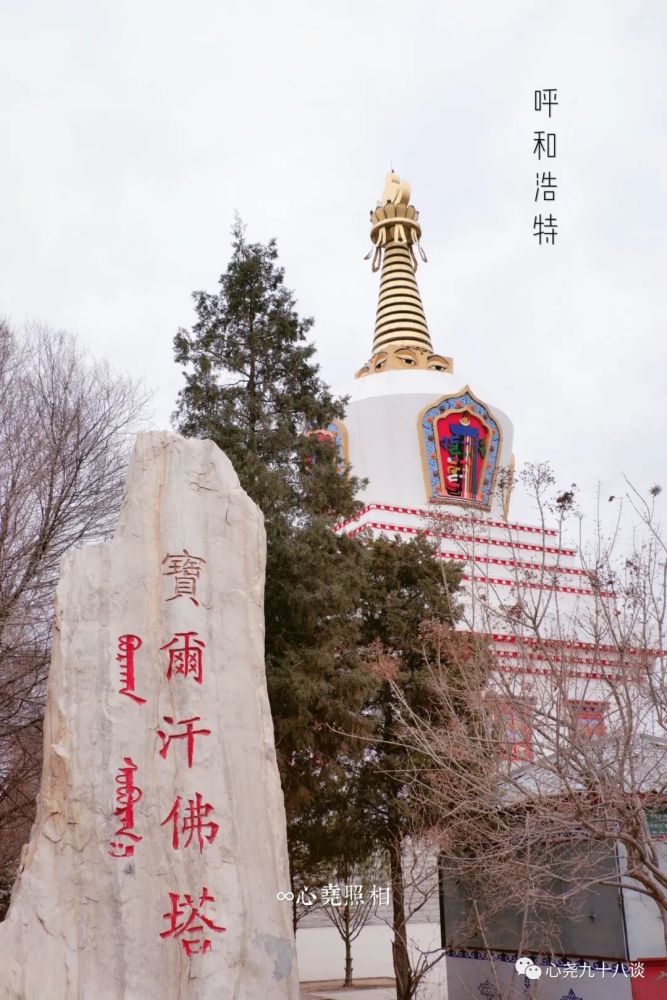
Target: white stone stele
x=86 y=926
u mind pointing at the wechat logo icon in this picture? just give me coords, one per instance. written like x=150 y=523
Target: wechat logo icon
x=526 y=967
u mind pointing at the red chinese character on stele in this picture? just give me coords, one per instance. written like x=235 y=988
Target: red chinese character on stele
x=127 y=794
x=188 y=735
x=127 y=647
x=186 y=917
x=186 y=657
x=193 y=824
x=185 y=570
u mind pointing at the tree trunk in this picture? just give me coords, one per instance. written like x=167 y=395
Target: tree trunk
x=295 y=916
x=399 y=946
x=348 y=946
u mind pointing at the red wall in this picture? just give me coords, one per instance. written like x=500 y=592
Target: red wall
x=650 y=987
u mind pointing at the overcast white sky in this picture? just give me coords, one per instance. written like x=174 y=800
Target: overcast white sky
x=132 y=130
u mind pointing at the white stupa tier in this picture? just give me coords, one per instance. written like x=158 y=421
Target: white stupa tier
x=392 y=421
x=436 y=452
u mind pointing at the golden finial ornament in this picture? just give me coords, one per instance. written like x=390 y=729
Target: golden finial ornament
x=401 y=337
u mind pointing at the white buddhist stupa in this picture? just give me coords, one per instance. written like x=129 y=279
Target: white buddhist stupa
x=434 y=449
x=406 y=395
x=437 y=457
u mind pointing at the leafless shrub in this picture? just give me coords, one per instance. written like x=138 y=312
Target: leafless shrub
x=534 y=806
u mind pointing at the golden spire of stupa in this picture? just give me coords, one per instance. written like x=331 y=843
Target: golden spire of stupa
x=401 y=337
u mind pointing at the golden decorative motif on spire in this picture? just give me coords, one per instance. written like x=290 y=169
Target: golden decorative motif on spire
x=401 y=337
x=396 y=191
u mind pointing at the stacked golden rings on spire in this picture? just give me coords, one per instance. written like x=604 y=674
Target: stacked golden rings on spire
x=400 y=314
x=401 y=337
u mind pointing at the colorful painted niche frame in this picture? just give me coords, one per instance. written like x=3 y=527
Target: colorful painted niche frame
x=460 y=447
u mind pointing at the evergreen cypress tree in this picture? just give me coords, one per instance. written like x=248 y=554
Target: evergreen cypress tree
x=252 y=386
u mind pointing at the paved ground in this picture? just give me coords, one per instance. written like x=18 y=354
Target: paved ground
x=375 y=993
x=369 y=989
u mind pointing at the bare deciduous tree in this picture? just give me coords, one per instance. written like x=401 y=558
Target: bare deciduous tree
x=65 y=428
x=465 y=661
x=562 y=763
x=354 y=904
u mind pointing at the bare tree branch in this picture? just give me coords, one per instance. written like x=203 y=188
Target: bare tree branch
x=65 y=428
